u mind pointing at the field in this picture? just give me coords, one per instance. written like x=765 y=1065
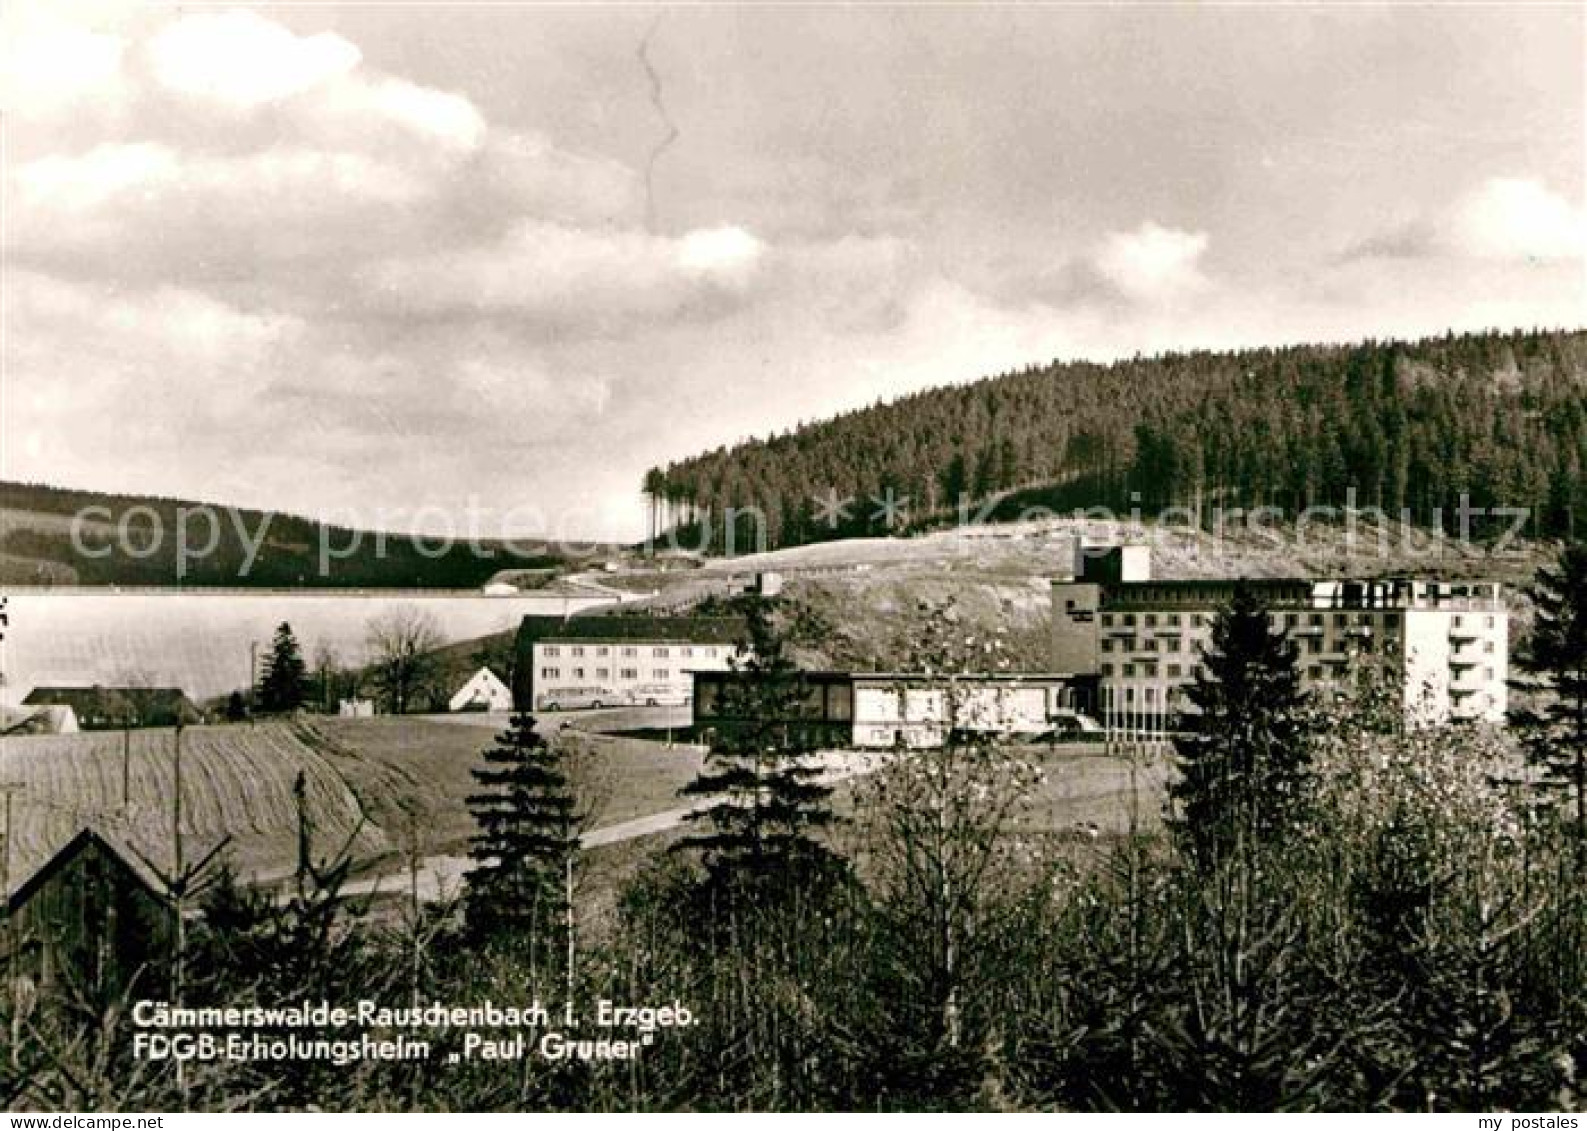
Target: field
x=384 y=782
x=389 y=786
x=414 y=773
x=236 y=781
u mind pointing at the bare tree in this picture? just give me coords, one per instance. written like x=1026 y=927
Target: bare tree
x=326 y=679
x=402 y=642
x=946 y=847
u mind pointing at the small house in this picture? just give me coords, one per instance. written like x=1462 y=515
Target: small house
x=482 y=691
x=91 y=917
x=112 y=708
x=40 y=720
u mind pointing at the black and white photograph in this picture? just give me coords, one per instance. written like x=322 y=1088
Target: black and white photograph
x=793 y=557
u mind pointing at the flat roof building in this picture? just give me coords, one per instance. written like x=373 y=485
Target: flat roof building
x=607 y=661
x=887 y=710
x=1444 y=644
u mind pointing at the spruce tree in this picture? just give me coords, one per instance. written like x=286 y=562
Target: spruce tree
x=282 y=686
x=767 y=802
x=528 y=831
x=1555 y=734
x=1243 y=768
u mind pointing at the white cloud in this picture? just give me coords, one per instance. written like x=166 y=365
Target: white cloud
x=721 y=252
x=47 y=65
x=1502 y=220
x=121 y=387
x=341 y=166
x=243 y=60
x=149 y=210
x=574 y=275
x=448 y=118
x=90 y=180
x=1516 y=218
x=239 y=231
x=1153 y=262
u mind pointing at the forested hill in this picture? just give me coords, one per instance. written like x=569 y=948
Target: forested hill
x=1409 y=426
x=57 y=536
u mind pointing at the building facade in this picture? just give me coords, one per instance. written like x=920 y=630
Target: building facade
x=607 y=661
x=884 y=711
x=482 y=691
x=92 y=917
x=1444 y=645
x=109 y=708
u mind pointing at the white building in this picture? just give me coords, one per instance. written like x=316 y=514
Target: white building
x=1444 y=644
x=59 y=719
x=482 y=691
x=606 y=661
x=885 y=711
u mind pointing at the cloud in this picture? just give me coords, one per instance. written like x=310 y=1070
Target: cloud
x=48 y=65
x=130 y=382
x=1516 y=218
x=248 y=264
x=573 y=277
x=229 y=140
x=1153 y=263
x=80 y=183
x=1502 y=220
x=242 y=60
x=448 y=118
x=723 y=253
x=1122 y=274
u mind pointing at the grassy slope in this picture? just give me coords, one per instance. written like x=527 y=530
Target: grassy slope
x=866 y=593
x=400 y=777
x=414 y=774
x=235 y=780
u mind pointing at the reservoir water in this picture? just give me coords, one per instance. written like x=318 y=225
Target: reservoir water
x=199 y=640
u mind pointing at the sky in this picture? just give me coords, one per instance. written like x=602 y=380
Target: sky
x=398 y=264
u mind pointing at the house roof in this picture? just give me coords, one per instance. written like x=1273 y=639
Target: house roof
x=40 y=720
x=87 y=838
x=141 y=702
x=689 y=630
x=485 y=668
x=933 y=679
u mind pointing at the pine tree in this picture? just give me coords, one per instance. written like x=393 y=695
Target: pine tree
x=1556 y=735
x=282 y=687
x=528 y=831
x=1243 y=769
x=768 y=801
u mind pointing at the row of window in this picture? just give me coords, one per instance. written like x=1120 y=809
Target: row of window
x=605 y=673
x=1176 y=671
x=1175 y=644
x=1149 y=670
x=576 y=650
x=1287 y=620
x=1150 y=620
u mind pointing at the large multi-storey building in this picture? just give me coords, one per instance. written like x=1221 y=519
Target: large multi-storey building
x=607 y=661
x=1443 y=644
